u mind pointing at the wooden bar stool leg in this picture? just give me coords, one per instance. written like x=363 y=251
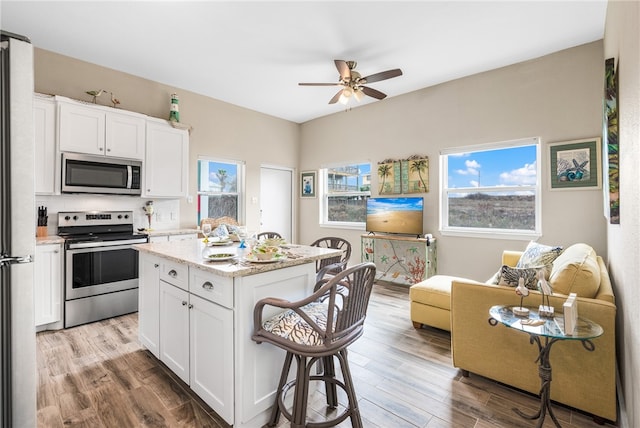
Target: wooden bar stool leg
x=356 y=419
x=330 y=387
x=275 y=412
x=301 y=393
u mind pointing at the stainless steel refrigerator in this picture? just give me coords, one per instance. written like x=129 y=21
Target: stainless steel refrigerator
x=17 y=234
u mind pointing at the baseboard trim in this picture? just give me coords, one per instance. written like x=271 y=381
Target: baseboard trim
x=623 y=421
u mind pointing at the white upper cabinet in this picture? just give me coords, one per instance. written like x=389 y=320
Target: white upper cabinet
x=166 y=162
x=125 y=136
x=44 y=121
x=99 y=130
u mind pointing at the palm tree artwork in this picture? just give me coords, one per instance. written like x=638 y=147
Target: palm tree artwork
x=384 y=171
x=419 y=167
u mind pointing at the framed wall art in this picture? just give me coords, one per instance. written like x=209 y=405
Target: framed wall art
x=308 y=184
x=389 y=177
x=575 y=164
x=415 y=174
x=611 y=144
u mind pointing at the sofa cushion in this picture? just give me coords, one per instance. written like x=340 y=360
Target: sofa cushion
x=434 y=291
x=538 y=255
x=510 y=276
x=576 y=271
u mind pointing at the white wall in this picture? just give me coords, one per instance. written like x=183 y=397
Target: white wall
x=557 y=97
x=622 y=41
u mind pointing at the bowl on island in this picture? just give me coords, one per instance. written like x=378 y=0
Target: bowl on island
x=266 y=252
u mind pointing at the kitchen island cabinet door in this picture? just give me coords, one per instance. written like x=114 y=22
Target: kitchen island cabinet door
x=149 y=303
x=174 y=329
x=211 y=364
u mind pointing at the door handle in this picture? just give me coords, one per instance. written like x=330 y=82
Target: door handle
x=8 y=260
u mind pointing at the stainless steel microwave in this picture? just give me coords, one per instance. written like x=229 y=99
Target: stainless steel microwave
x=98 y=174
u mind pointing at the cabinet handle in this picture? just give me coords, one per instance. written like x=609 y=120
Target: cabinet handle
x=156 y=265
x=207 y=286
x=190 y=306
x=108 y=150
x=56 y=251
x=101 y=149
x=172 y=273
x=184 y=303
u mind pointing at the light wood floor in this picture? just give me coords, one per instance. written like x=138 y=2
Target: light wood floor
x=97 y=375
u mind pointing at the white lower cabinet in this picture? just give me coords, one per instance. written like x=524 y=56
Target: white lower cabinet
x=191 y=335
x=47 y=292
x=174 y=329
x=211 y=351
x=149 y=303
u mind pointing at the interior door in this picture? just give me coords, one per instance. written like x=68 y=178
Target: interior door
x=276 y=201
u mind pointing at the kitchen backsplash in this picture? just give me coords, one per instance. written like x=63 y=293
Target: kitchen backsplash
x=166 y=211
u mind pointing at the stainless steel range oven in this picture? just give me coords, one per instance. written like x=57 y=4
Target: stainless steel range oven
x=101 y=266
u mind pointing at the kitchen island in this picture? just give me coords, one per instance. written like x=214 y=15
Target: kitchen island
x=196 y=316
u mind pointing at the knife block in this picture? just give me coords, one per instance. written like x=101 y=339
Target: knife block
x=41 y=231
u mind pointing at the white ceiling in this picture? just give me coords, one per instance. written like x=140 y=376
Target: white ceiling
x=253 y=54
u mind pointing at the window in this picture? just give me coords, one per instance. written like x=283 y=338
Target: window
x=491 y=190
x=344 y=190
x=220 y=189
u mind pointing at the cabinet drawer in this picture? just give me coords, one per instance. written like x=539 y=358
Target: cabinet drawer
x=215 y=288
x=175 y=274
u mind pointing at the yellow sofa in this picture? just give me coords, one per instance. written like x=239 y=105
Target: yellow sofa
x=581 y=379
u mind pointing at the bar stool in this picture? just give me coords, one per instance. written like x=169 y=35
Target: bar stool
x=268 y=235
x=315 y=330
x=332 y=265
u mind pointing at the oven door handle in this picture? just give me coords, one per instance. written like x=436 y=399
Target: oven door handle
x=97 y=244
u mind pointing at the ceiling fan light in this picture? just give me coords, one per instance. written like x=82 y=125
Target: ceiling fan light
x=358 y=95
x=346 y=95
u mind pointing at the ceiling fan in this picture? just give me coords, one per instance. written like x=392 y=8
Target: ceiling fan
x=353 y=83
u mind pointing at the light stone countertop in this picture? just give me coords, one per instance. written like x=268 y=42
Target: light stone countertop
x=189 y=252
x=51 y=239
x=155 y=232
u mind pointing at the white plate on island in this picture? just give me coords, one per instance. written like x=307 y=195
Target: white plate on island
x=220 y=257
x=220 y=243
x=254 y=259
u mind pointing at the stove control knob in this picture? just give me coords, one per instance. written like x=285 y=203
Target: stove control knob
x=75 y=217
x=126 y=216
x=67 y=218
x=119 y=216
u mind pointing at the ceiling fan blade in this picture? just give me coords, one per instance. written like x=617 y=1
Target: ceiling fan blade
x=343 y=69
x=384 y=75
x=373 y=92
x=318 y=84
x=336 y=97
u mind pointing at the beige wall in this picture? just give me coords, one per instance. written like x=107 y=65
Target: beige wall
x=219 y=129
x=557 y=98
x=622 y=42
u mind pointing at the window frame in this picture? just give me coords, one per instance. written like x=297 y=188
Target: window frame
x=240 y=185
x=323 y=197
x=477 y=232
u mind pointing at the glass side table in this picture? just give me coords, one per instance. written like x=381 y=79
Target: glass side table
x=544 y=333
